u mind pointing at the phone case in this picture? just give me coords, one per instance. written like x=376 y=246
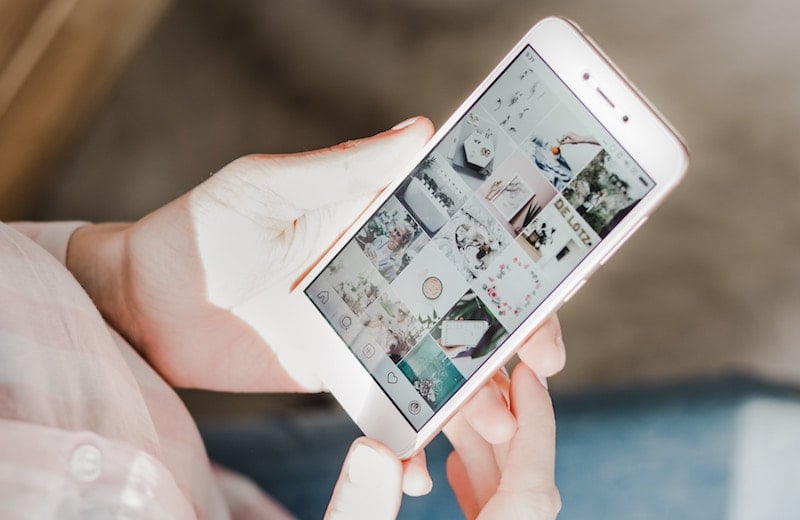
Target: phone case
x=544 y=171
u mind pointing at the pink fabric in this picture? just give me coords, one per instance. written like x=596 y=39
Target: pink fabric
x=87 y=427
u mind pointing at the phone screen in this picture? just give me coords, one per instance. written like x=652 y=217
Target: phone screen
x=485 y=227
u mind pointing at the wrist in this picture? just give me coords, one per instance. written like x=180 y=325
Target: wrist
x=97 y=257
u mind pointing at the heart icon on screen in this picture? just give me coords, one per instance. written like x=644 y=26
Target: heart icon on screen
x=391 y=378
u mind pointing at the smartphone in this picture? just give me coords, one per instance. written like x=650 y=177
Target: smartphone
x=532 y=184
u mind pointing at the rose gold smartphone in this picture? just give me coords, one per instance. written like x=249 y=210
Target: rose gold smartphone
x=551 y=164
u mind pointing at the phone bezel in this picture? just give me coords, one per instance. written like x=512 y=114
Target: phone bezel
x=646 y=137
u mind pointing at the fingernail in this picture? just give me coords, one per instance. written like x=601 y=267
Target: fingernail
x=407 y=122
x=424 y=488
x=366 y=466
x=562 y=350
x=542 y=380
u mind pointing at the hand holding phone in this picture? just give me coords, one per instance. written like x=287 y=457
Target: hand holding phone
x=529 y=187
x=207 y=276
x=370 y=483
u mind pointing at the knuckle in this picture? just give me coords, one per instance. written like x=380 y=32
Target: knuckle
x=546 y=502
x=542 y=502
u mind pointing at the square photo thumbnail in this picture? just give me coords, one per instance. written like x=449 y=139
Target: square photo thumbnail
x=430 y=285
x=519 y=99
x=560 y=146
x=431 y=372
x=389 y=324
x=354 y=279
x=557 y=240
x=475 y=146
x=391 y=238
x=472 y=239
x=513 y=287
x=433 y=192
x=603 y=193
x=468 y=333
x=516 y=192
x=335 y=310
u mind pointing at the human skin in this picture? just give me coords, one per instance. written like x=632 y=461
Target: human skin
x=184 y=283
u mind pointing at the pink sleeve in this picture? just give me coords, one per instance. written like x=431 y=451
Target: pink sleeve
x=52 y=236
x=87 y=427
x=49 y=472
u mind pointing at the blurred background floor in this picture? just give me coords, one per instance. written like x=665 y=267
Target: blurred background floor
x=710 y=285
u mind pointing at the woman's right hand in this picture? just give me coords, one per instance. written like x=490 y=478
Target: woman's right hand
x=506 y=481
x=515 y=479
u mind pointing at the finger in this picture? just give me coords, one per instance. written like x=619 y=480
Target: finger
x=527 y=482
x=477 y=457
x=503 y=383
x=488 y=414
x=369 y=485
x=544 y=351
x=294 y=184
x=530 y=465
x=416 y=479
x=501 y=453
x=462 y=488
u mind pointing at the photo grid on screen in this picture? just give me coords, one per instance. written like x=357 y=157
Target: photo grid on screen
x=477 y=236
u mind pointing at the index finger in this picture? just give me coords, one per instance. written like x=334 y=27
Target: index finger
x=487 y=411
x=543 y=351
x=530 y=464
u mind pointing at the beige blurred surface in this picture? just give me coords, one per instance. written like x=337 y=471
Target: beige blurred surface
x=710 y=285
x=58 y=59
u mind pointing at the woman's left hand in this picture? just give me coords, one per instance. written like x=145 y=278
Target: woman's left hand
x=176 y=283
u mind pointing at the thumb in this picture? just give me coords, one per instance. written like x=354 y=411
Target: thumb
x=342 y=172
x=370 y=484
x=292 y=185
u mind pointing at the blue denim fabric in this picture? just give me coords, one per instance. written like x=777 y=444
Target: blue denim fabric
x=641 y=453
x=297 y=459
